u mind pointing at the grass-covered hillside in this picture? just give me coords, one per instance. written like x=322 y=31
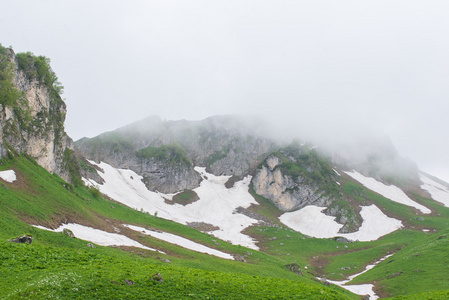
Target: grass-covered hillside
x=58 y=266
x=416 y=270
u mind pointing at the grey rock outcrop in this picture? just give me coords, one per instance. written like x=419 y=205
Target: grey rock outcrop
x=295 y=268
x=344 y=214
x=68 y=232
x=167 y=178
x=287 y=192
x=34 y=124
x=24 y=239
x=226 y=145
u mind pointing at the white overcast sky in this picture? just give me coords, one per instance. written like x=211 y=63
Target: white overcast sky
x=320 y=66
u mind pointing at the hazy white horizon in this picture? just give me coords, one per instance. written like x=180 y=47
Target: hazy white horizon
x=322 y=67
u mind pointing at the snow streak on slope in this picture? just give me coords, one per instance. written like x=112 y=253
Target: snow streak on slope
x=360 y=289
x=388 y=191
x=216 y=205
x=311 y=221
x=180 y=241
x=8 y=175
x=437 y=191
x=98 y=236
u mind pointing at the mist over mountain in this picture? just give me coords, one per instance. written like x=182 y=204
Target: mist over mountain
x=224 y=149
x=269 y=202
x=318 y=66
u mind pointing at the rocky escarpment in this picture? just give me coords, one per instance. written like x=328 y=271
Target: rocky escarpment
x=32 y=112
x=165 y=153
x=294 y=177
x=297 y=176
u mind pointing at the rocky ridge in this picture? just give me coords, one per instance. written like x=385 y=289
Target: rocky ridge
x=165 y=153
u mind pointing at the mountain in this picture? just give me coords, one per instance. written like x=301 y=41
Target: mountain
x=165 y=153
x=215 y=209
x=363 y=193
x=291 y=175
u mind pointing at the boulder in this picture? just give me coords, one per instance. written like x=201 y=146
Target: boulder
x=23 y=239
x=295 y=268
x=342 y=240
x=68 y=233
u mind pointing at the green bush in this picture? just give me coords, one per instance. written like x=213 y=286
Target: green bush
x=38 y=67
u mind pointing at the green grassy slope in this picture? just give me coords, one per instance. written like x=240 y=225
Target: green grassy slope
x=420 y=257
x=57 y=266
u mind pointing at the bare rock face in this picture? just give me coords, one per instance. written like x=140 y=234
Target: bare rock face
x=165 y=153
x=270 y=183
x=34 y=123
x=166 y=178
x=290 y=184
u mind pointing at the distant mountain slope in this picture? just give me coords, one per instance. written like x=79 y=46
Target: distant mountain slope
x=292 y=175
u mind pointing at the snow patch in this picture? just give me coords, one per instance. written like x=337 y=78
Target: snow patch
x=311 y=221
x=216 y=205
x=437 y=191
x=360 y=289
x=336 y=172
x=8 y=175
x=180 y=241
x=98 y=236
x=388 y=191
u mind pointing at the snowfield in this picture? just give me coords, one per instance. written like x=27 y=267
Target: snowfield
x=98 y=236
x=312 y=222
x=437 y=191
x=180 y=241
x=8 y=175
x=216 y=205
x=388 y=191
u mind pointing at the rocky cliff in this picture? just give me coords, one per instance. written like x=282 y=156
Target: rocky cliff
x=294 y=177
x=165 y=153
x=32 y=112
